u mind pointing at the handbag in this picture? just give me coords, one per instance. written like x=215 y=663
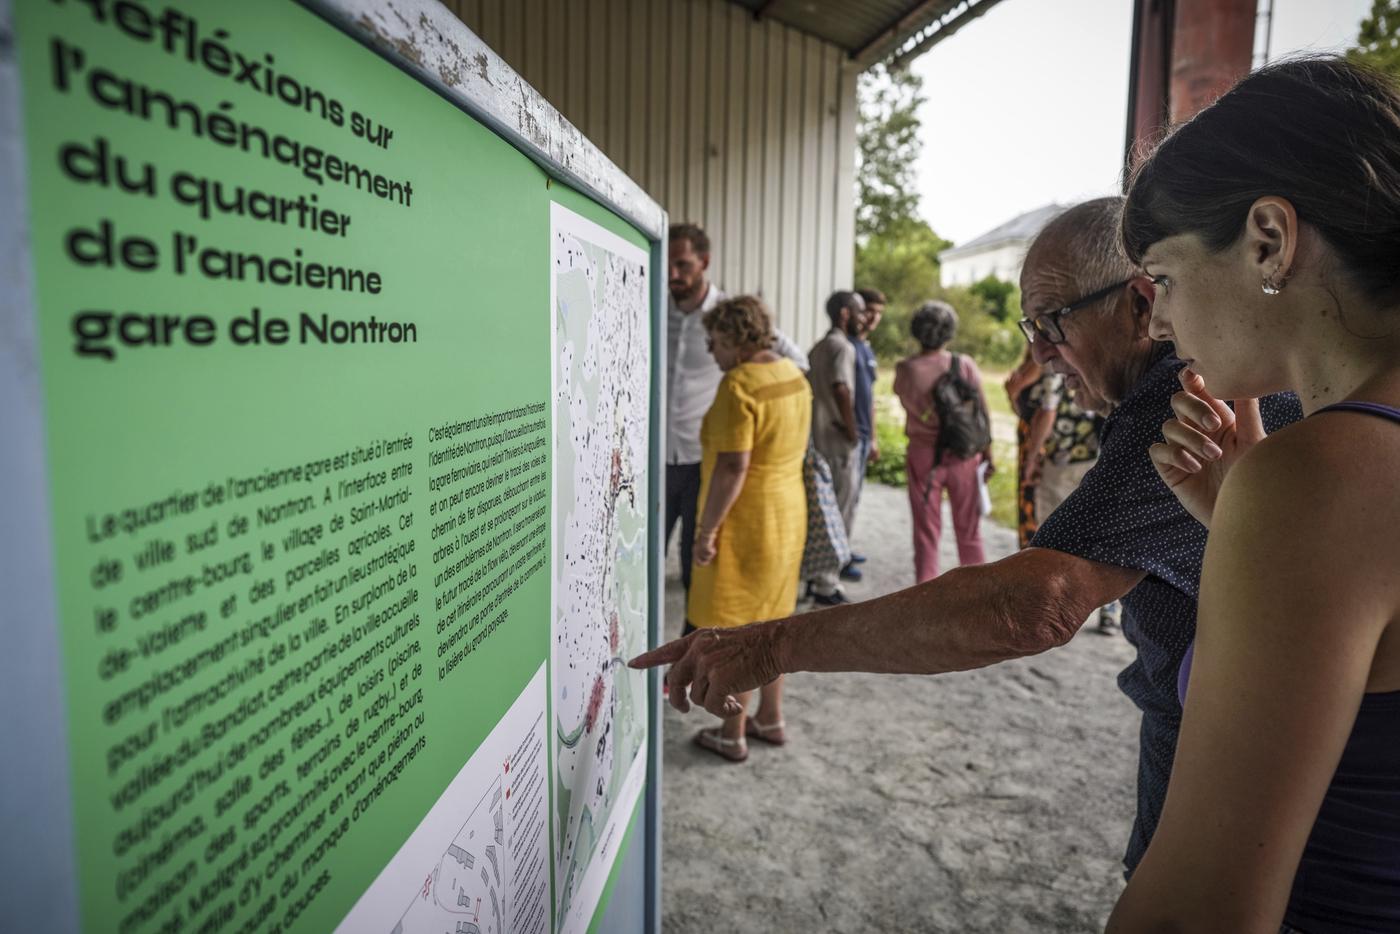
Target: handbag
x=826 y=550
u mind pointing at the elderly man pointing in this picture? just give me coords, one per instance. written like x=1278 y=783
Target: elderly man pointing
x=1122 y=534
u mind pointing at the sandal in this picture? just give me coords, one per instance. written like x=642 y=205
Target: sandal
x=713 y=740
x=770 y=733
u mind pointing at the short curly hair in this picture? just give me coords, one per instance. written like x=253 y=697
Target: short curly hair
x=934 y=325
x=745 y=320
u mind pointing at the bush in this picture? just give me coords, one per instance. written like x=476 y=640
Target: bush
x=891 y=341
x=980 y=335
x=988 y=341
x=901 y=262
x=889 y=469
x=997 y=297
x=1002 y=485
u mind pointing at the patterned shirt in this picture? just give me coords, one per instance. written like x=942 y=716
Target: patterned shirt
x=1123 y=514
x=1074 y=437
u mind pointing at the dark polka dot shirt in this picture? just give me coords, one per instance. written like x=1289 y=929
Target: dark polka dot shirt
x=1123 y=514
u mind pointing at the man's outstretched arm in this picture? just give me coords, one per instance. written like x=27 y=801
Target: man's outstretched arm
x=968 y=618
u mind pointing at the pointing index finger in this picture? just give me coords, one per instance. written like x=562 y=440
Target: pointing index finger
x=667 y=654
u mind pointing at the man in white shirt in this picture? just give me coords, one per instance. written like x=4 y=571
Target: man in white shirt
x=692 y=377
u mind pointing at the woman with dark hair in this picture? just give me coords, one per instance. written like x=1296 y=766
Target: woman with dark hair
x=753 y=504
x=929 y=470
x=1270 y=227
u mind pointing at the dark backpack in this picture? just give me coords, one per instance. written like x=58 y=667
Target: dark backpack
x=963 y=426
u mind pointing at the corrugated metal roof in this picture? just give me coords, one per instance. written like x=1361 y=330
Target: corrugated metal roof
x=870 y=31
x=1021 y=227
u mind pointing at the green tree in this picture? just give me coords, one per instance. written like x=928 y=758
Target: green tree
x=984 y=332
x=902 y=263
x=888 y=145
x=996 y=294
x=1378 y=43
x=896 y=249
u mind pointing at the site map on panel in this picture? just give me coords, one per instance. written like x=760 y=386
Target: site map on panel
x=601 y=408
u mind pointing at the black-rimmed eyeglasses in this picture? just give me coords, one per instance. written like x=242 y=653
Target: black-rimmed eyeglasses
x=1047 y=326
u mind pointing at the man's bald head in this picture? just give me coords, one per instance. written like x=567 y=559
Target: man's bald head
x=1081 y=247
x=1105 y=346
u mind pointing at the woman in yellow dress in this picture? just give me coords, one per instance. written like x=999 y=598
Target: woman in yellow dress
x=753 y=515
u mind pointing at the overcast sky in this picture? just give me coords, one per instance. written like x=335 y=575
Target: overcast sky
x=1028 y=104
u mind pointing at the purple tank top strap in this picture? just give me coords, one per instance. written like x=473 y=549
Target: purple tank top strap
x=1366 y=408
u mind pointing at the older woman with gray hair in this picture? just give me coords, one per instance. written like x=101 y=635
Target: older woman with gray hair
x=929 y=469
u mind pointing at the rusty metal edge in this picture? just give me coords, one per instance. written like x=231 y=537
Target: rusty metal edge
x=426 y=40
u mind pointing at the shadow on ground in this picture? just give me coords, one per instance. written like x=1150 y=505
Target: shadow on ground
x=995 y=800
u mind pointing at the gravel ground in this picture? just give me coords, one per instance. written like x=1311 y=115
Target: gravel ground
x=996 y=800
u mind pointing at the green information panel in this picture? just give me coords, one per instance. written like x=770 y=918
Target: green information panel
x=346 y=414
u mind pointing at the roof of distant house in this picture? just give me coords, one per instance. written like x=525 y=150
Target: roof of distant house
x=1021 y=228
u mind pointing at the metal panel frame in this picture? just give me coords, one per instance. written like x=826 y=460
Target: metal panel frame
x=429 y=42
x=35 y=816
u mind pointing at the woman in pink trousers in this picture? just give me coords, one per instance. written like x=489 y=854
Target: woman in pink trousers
x=929 y=470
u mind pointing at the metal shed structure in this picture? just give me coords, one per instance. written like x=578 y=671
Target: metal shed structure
x=738 y=115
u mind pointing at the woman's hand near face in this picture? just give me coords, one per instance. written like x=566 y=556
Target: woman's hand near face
x=1202 y=443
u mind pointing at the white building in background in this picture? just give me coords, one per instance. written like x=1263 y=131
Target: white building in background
x=998 y=252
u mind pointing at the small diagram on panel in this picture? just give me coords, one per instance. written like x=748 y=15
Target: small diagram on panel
x=476 y=862
x=463 y=894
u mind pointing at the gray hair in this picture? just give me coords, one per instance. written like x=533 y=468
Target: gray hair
x=934 y=324
x=1088 y=237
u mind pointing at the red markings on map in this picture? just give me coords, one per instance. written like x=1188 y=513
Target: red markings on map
x=614 y=635
x=616 y=471
x=595 y=703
